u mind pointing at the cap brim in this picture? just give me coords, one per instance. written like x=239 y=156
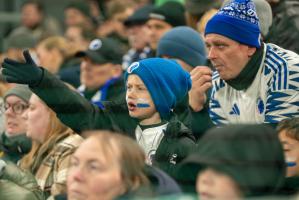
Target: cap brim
x=95 y=57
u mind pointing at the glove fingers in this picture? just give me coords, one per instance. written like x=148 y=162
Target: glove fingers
x=11 y=79
x=28 y=57
x=10 y=62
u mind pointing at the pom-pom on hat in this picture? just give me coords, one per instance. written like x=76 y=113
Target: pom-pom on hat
x=238 y=21
x=165 y=80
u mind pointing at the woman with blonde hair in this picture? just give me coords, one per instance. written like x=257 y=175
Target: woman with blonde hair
x=53 y=143
x=53 y=53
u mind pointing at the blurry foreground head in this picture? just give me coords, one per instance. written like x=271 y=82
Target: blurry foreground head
x=237 y=161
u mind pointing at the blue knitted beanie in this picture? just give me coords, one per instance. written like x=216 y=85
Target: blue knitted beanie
x=238 y=21
x=184 y=43
x=165 y=80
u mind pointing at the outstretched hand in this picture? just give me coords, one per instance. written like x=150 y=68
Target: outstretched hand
x=23 y=73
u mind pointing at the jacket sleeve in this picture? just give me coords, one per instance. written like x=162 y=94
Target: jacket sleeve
x=19 y=183
x=71 y=108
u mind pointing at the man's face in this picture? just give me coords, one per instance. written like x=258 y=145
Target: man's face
x=157 y=28
x=227 y=56
x=30 y=15
x=95 y=75
x=138 y=36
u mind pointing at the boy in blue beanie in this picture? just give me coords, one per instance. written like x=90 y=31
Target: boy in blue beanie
x=154 y=86
x=254 y=82
x=187 y=47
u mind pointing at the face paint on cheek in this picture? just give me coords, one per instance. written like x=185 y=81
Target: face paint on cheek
x=291 y=162
x=142 y=103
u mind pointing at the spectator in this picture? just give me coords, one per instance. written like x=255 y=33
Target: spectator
x=196 y=9
x=101 y=72
x=78 y=39
x=254 y=82
x=13 y=142
x=235 y=162
x=16 y=43
x=113 y=27
x=138 y=36
x=162 y=20
x=77 y=12
x=53 y=53
x=288 y=132
x=122 y=162
x=52 y=146
x=35 y=22
x=187 y=47
x=152 y=92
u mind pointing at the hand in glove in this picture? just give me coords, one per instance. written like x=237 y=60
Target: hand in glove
x=23 y=73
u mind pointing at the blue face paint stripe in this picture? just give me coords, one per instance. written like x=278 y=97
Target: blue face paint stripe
x=142 y=105
x=291 y=164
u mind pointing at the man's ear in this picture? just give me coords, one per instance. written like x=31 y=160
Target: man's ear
x=251 y=51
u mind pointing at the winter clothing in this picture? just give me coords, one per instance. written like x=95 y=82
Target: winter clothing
x=140 y=16
x=14 y=147
x=250 y=154
x=269 y=95
x=238 y=21
x=21 y=91
x=18 y=184
x=175 y=18
x=264 y=13
x=166 y=81
x=51 y=164
x=185 y=44
x=134 y=55
x=77 y=113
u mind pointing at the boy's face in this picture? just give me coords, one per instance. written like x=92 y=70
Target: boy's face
x=291 y=152
x=140 y=103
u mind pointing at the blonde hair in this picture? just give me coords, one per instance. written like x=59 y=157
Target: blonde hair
x=129 y=154
x=59 y=43
x=56 y=130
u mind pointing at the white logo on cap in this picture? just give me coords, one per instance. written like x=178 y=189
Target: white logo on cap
x=95 y=44
x=132 y=67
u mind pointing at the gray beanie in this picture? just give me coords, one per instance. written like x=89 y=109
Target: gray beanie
x=264 y=13
x=184 y=43
x=21 y=91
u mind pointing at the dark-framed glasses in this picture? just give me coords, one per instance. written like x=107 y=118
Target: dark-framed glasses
x=17 y=108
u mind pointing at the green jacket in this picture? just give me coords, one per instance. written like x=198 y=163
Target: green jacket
x=18 y=184
x=79 y=114
x=15 y=147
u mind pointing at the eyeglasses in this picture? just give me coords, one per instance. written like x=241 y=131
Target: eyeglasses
x=17 y=108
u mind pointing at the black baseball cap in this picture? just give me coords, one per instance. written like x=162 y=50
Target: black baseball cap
x=102 y=51
x=140 y=16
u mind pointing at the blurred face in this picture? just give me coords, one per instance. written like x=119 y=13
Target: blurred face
x=291 y=151
x=73 y=17
x=74 y=36
x=227 y=56
x=140 y=103
x=138 y=36
x=211 y=184
x=157 y=28
x=30 y=16
x=92 y=175
x=38 y=119
x=94 y=75
x=14 y=108
x=118 y=20
x=44 y=56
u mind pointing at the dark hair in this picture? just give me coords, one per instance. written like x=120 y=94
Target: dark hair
x=291 y=126
x=38 y=4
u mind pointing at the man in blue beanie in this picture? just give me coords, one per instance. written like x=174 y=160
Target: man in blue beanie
x=254 y=82
x=187 y=47
x=153 y=87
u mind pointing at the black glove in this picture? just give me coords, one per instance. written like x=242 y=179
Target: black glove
x=23 y=73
